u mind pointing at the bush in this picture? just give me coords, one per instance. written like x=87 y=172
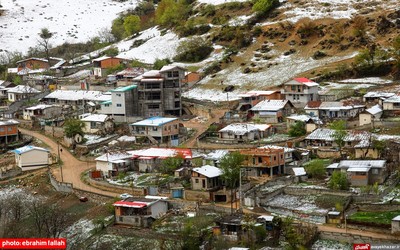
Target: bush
x=316 y=169
x=159 y=63
x=193 y=50
x=111 y=51
x=131 y=25
x=171 y=13
x=264 y=6
x=339 y=181
x=297 y=129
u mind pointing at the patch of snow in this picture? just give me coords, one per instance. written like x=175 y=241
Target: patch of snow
x=330 y=245
x=218 y=2
x=78 y=232
x=72 y=21
x=305 y=204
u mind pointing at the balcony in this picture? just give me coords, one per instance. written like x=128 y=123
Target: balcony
x=290 y=91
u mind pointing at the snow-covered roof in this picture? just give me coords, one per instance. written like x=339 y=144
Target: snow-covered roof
x=208 y=171
x=334 y=106
x=304 y=81
x=299 y=171
x=285 y=149
x=171 y=67
x=243 y=128
x=33 y=58
x=162 y=153
x=257 y=93
x=304 y=118
x=151 y=74
x=358 y=169
x=266 y=217
x=131 y=72
x=326 y=134
x=22 y=89
x=378 y=94
x=28 y=148
x=127 y=138
x=333 y=166
x=95 y=118
x=216 y=155
x=8 y=122
x=154 y=121
x=114 y=157
x=375 y=109
x=40 y=106
x=74 y=95
x=397 y=218
x=393 y=99
x=101 y=59
x=270 y=105
x=362 y=163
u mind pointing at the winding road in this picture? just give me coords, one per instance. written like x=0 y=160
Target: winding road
x=72 y=168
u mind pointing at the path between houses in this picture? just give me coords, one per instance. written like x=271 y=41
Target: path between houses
x=72 y=168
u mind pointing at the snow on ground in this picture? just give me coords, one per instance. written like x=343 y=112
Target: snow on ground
x=280 y=70
x=372 y=80
x=333 y=85
x=304 y=204
x=79 y=75
x=336 y=9
x=71 y=20
x=217 y=2
x=78 y=232
x=393 y=196
x=330 y=245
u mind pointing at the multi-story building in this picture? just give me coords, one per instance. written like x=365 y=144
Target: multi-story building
x=8 y=131
x=264 y=161
x=159 y=92
x=300 y=91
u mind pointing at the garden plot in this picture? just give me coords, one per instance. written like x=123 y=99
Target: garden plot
x=141 y=180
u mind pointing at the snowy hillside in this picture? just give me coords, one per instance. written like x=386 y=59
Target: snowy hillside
x=72 y=20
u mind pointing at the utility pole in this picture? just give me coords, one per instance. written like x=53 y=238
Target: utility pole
x=59 y=160
x=240 y=191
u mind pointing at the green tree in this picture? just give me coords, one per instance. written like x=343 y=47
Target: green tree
x=171 y=13
x=73 y=127
x=230 y=166
x=193 y=50
x=339 y=134
x=338 y=181
x=117 y=28
x=113 y=51
x=131 y=25
x=316 y=169
x=263 y=6
x=159 y=63
x=396 y=55
x=169 y=165
x=297 y=129
x=292 y=237
x=44 y=42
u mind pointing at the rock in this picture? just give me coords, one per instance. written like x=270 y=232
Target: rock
x=289 y=52
x=292 y=42
x=383 y=25
x=246 y=70
x=318 y=55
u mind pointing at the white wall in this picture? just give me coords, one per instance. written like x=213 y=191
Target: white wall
x=116 y=100
x=32 y=160
x=103 y=166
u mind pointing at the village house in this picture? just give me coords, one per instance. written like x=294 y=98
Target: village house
x=159 y=92
x=122 y=106
x=324 y=137
x=363 y=172
x=212 y=158
x=33 y=64
x=233 y=227
x=300 y=91
x=291 y=155
x=112 y=163
x=42 y=111
x=377 y=97
x=102 y=64
x=149 y=160
x=97 y=123
x=139 y=212
x=161 y=129
x=191 y=78
x=77 y=99
x=8 y=131
x=369 y=116
x=126 y=76
x=272 y=111
x=334 y=110
x=311 y=123
x=264 y=161
x=252 y=98
x=31 y=157
x=206 y=178
x=244 y=132
x=391 y=104
x=21 y=92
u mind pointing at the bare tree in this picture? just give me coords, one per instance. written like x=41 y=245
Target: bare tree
x=44 y=41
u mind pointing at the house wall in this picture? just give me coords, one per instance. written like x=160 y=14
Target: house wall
x=103 y=166
x=146 y=166
x=33 y=159
x=106 y=109
x=310 y=127
x=47 y=113
x=133 y=220
x=268 y=117
x=89 y=129
x=365 y=119
x=312 y=112
x=358 y=180
x=12 y=97
x=377 y=175
x=8 y=130
x=158 y=209
x=110 y=62
x=33 y=64
x=371 y=153
x=391 y=106
x=198 y=185
x=118 y=103
x=97 y=72
x=231 y=136
x=168 y=129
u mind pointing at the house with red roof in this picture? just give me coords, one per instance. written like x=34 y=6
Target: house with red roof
x=139 y=212
x=300 y=90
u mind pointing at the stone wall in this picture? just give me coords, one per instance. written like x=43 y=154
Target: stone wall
x=314 y=191
x=351 y=238
x=197 y=195
x=60 y=186
x=54 y=131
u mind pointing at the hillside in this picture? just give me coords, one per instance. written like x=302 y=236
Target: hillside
x=300 y=37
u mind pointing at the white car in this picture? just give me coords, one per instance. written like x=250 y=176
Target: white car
x=125 y=196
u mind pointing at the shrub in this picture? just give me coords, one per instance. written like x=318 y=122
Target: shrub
x=264 y=6
x=159 y=63
x=316 y=169
x=307 y=28
x=359 y=26
x=113 y=51
x=208 y=10
x=131 y=25
x=339 y=181
x=171 y=13
x=193 y=50
x=117 y=28
x=297 y=129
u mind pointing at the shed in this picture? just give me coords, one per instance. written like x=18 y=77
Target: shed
x=31 y=157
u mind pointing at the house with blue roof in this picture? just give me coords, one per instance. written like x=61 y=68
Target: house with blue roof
x=31 y=157
x=162 y=129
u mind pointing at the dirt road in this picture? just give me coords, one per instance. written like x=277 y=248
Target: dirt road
x=72 y=168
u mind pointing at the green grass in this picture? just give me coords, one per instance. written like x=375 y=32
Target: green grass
x=375 y=217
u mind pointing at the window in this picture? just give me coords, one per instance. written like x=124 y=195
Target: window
x=196 y=180
x=274 y=158
x=176 y=126
x=177 y=104
x=1 y=129
x=119 y=105
x=259 y=160
x=136 y=220
x=93 y=125
x=153 y=106
x=375 y=171
x=293 y=87
x=155 y=128
x=175 y=73
x=9 y=129
x=119 y=95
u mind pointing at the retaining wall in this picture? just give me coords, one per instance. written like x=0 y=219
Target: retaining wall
x=60 y=186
